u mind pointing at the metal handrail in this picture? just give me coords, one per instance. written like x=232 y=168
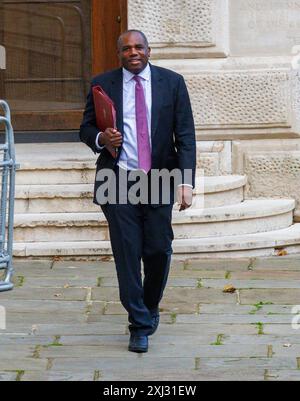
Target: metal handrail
x=8 y=166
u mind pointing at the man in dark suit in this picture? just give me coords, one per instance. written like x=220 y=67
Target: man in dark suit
x=155 y=131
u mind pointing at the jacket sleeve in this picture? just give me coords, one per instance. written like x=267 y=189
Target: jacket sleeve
x=88 y=128
x=184 y=131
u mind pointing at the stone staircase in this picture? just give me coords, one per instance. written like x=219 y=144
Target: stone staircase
x=55 y=216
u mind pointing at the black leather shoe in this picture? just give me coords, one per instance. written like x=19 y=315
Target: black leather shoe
x=155 y=323
x=138 y=343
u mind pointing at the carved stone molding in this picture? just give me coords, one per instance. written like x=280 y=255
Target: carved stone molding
x=264 y=27
x=240 y=99
x=182 y=28
x=272 y=168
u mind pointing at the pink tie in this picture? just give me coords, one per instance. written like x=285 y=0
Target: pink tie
x=143 y=141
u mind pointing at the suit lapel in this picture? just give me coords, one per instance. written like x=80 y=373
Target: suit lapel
x=117 y=97
x=157 y=95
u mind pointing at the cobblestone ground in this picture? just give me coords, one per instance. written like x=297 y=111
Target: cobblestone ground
x=64 y=322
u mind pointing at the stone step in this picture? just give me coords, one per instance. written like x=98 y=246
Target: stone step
x=47 y=198
x=259 y=244
x=250 y=216
x=55 y=163
x=74 y=163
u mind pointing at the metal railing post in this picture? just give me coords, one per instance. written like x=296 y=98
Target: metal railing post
x=8 y=166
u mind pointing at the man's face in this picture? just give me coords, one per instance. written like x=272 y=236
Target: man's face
x=133 y=52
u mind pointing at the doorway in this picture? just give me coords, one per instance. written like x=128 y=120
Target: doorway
x=53 y=48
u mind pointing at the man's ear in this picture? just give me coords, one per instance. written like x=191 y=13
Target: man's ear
x=149 y=51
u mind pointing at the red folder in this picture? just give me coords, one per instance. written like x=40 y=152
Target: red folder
x=105 y=113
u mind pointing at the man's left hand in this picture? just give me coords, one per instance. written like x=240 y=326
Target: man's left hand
x=184 y=196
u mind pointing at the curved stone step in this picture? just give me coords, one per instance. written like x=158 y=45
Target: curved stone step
x=261 y=244
x=219 y=191
x=47 y=198
x=247 y=217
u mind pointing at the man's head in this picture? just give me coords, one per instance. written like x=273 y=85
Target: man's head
x=133 y=50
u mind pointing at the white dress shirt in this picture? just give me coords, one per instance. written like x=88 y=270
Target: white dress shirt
x=129 y=152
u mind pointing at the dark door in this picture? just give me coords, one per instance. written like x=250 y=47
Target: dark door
x=53 y=47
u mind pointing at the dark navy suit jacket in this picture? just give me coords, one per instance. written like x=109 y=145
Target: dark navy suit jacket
x=172 y=123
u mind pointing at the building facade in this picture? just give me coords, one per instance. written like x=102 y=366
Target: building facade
x=240 y=62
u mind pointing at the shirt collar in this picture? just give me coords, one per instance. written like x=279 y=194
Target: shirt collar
x=145 y=74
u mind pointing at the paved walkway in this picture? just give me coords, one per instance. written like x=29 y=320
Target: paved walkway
x=64 y=322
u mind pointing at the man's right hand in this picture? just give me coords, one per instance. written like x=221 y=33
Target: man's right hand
x=111 y=137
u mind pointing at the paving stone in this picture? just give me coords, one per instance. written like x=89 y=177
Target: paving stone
x=211 y=283
x=58 y=282
x=42 y=273
x=149 y=375
x=206 y=329
x=105 y=294
x=172 y=374
x=265 y=275
x=281 y=350
x=289 y=262
x=232 y=319
x=9 y=339
x=198 y=274
x=218 y=264
x=260 y=339
x=46 y=306
x=247 y=363
x=19 y=363
x=57 y=376
x=276 y=296
x=17 y=329
x=82 y=329
x=272 y=309
x=138 y=362
x=59 y=294
x=182 y=282
x=32 y=264
x=94 y=340
x=108 y=308
x=86 y=264
x=209 y=351
x=282 y=375
x=117 y=350
x=225 y=308
x=71 y=272
x=85 y=269
x=225 y=375
x=198 y=295
x=281 y=330
x=16 y=351
x=8 y=376
x=177 y=308
x=47 y=318
x=177 y=265
x=108 y=318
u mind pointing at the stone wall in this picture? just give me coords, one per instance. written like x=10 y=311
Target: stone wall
x=236 y=57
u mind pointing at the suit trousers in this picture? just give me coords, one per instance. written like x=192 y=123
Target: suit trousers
x=140 y=232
